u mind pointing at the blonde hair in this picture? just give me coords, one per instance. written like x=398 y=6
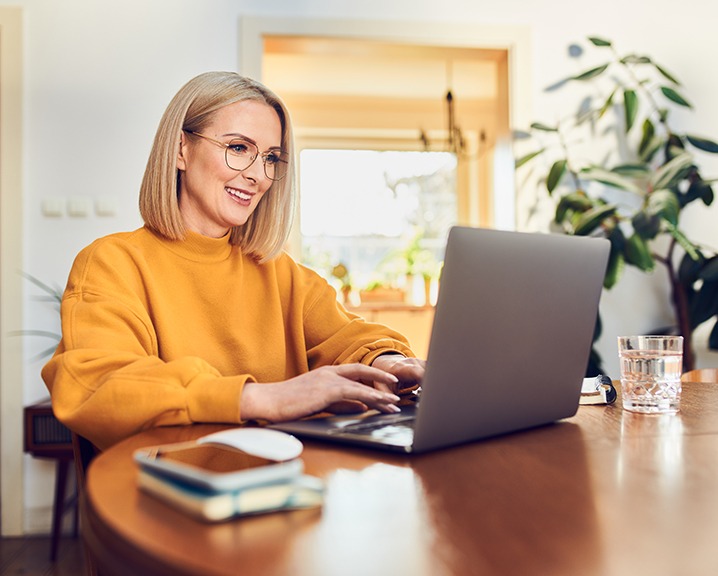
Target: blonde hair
x=266 y=231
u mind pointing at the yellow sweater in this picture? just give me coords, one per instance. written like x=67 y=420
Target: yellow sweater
x=158 y=332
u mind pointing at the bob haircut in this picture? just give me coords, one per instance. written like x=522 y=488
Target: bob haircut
x=266 y=231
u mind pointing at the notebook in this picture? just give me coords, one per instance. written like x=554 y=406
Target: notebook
x=509 y=347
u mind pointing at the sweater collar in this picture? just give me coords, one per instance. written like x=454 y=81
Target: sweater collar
x=199 y=248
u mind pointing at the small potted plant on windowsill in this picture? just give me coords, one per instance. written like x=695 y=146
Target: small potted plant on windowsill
x=381 y=292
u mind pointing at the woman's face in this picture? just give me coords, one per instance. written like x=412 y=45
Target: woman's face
x=213 y=197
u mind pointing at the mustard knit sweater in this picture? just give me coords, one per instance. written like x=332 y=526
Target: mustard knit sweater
x=158 y=332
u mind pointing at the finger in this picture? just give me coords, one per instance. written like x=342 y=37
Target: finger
x=383 y=400
x=386 y=388
x=366 y=374
x=347 y=407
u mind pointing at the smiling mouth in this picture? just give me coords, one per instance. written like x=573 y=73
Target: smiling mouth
x=239 y=194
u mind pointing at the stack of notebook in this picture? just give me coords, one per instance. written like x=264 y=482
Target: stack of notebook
x=232 y=473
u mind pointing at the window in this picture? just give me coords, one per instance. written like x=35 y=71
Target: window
x=381 y=215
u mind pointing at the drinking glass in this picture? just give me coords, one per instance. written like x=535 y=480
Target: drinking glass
x=651 y=373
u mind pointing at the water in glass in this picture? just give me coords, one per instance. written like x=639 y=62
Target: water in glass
x=651 y=380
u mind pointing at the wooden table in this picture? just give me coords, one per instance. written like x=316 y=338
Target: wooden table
x=606 y=492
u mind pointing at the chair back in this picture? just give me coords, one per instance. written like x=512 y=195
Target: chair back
x=84 y=451
x=709 y=375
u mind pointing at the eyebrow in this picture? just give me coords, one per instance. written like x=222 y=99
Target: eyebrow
x=248 y=139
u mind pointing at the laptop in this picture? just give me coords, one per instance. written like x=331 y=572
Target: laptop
x=511 y=337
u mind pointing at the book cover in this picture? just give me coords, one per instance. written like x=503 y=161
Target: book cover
x=301 y=492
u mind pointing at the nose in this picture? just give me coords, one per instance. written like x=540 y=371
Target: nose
x=255 y=171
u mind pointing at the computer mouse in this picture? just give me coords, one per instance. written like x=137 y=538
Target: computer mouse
x=262 y=442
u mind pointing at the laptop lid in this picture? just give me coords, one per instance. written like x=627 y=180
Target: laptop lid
x=512 y=333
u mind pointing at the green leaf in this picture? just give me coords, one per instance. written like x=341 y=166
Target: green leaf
x=598 y=41
x=683 y=241
x=607 y=104
x=616 y=264
x=666 y=75
x=710 y=270
x=652 y=148
x=632 y=170
x=698 y=188
x=638 y=254
x=573 y=202
x=647 y=134
x=630 y=104
x=674 y=96
x=616 y=261
x=543 y=127
x=705 y=303
x=592 y=219
x=610 y=178
x=646 y=225
x=664 y=203
x=688 y=269
x=703 y=144
x=530 y=156
x=672 y=172
x=635 y=59
x=555 y=174
x=592 y=73
x=713 y=338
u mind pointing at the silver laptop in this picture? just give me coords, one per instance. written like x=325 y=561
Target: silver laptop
x=512 y=333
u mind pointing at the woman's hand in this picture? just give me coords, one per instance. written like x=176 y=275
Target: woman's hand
x=409 y=372
x=344 y=388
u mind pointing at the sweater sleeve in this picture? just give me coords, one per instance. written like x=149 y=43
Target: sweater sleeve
x=106 y=378
x=336 y=336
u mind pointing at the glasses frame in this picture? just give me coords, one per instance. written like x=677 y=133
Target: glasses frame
x=226 y=147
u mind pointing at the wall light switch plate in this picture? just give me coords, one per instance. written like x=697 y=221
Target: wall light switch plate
x=106 y=206
x=53 y=207
x=79 y=206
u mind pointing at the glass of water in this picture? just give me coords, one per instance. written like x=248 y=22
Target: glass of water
x=651 y=369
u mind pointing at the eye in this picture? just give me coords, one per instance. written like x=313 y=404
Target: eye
x=240 y=148
x=273 y=158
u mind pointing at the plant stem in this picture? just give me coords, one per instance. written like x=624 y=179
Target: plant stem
x=679 y=300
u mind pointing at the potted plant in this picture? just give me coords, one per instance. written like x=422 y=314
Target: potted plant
x=341 y=272
x=634 y=193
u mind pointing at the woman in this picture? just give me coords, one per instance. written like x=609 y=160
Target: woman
x=199 y=316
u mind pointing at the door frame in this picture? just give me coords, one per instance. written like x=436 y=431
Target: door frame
x=11 y=201
x=516 y=40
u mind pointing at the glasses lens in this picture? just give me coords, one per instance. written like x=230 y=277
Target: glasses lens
x=240 y=154
x=275 y=164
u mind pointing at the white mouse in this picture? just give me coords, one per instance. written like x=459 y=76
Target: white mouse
x=262 y=442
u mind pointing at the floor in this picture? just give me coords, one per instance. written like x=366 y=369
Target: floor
x=30 y=556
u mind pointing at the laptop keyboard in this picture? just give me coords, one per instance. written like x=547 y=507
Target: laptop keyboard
x=399 y=428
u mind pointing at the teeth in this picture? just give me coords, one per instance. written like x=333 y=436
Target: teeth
x=239 y=194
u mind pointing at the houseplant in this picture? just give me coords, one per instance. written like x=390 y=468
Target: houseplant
x=633 y=194
x=53 y=296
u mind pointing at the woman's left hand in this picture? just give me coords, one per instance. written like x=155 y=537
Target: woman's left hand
x=409 y=371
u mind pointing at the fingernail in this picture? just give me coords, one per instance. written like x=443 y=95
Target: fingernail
x=393 y=378
x=394 y=408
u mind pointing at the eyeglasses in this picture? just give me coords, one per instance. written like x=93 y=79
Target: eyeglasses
x=240 y=154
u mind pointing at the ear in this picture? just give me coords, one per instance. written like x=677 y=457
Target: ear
x=181 y=154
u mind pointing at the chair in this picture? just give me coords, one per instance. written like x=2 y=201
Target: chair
x=708 y=375
x=84 y=451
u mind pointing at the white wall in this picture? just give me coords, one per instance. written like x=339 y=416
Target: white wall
x=98 y=74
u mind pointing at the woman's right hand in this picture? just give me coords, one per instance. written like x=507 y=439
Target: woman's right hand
x=338 y=389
